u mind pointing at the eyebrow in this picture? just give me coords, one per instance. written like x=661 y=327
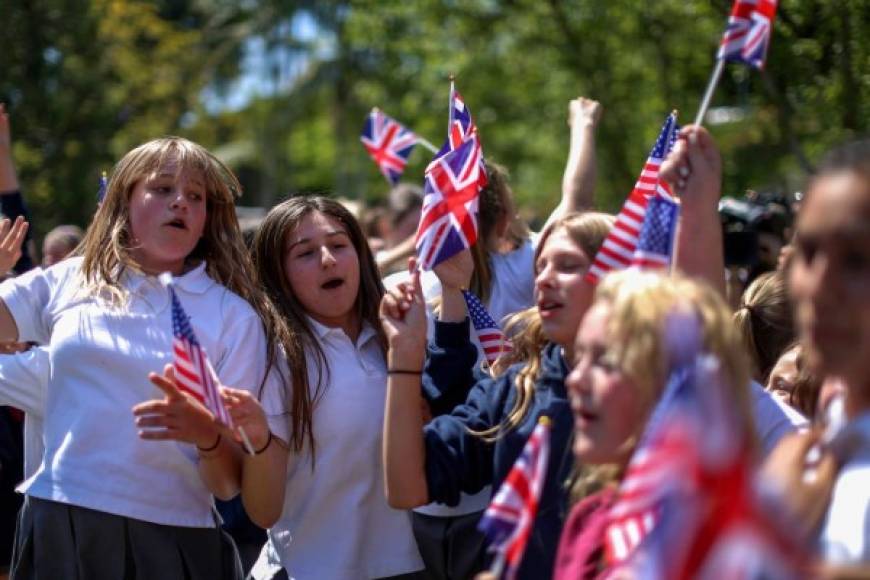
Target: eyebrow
x=173 y=177
x=328 y=235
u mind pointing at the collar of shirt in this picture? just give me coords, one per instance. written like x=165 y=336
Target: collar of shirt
x=323 y=332
x=149 y=288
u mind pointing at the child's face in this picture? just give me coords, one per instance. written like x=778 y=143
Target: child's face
x=561 y=293
x=607 y=406
x=167 y=218
x=784 y=375
x=322 y=268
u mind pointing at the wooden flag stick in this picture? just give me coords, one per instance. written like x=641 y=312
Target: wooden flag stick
x=711 y=88
x=497 y=568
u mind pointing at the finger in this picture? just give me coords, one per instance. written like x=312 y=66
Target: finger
x=152 y=421
x=5 y=225
x=151 y=407
x=412 y=264
x=12 y=242
x=826 y=472
x=416 y=286
x=165 y=384
x=159 y=434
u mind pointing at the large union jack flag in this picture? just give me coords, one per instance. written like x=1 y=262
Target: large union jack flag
x=448 y=223
x=508 y=521
x=193 y=371
x=618 y=250
x=389 y=144
x=748 y=33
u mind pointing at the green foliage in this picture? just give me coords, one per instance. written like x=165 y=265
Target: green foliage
x=86 y=85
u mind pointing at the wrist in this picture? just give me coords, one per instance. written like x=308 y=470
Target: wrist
x=405 y=361
x=209 y=445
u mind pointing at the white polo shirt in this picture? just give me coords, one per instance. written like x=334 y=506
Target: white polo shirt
x=99 y=359
x=23 y=382
x=336 y=524
x=845 y=534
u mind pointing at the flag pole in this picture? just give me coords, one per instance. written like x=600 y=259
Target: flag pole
x=426 y=144
x=711 y=88
x=497 y=567
x=450 y=108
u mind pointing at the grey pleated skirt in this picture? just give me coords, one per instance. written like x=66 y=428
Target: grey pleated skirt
x=59 y=541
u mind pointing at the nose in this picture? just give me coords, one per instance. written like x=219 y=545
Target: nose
x=544 y=278
x=179 y=200
x=577 y=380
x=327 y=258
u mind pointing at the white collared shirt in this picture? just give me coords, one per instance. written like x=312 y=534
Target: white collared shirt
x=100 y=358
x=845 y=535
x=23 y=382
x=336 y=523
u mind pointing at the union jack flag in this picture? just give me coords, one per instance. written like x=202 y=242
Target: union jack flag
x=459 y=127
x=389 y=144
x=619 y=247
x=748 y=33
x=656 y=241
x=448 y=223
x=193 y=371
x=507 y=522
x=492 y=339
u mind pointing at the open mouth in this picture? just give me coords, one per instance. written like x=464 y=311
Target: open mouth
x=548 y=306
x=177 y=223
x=332 y=284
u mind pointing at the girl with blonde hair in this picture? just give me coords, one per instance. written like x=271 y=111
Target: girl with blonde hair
x=115 y=498
x=624 y=353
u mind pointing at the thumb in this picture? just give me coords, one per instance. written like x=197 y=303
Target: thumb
x=416 y=285
x=412 y=264
x=167 y=383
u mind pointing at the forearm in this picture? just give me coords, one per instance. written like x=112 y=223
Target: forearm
x=453 y=308
x=264 y=479
x=219 y=468
x=578 y=181
x=698 y=248
x=8 y=177
x=404 y=451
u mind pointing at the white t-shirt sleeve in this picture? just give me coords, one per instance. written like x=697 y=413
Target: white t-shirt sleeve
x=276 y=401
x=23 y=380
x=27 y=297
x=773 y=418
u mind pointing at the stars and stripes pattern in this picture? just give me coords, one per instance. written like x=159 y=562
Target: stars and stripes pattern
x=193 y=371
x=388 y=143
x=656 y=240
x=507 y=522
x=492 y=339
x=748 y=33
x=448 y=223
x=618 y=250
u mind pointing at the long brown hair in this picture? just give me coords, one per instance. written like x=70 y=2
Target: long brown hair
x=269 y=248
x=766 y=322
x=588 y=230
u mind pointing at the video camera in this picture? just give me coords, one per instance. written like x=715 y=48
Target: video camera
x=746 y=221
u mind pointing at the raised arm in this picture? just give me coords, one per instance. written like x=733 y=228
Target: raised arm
x=11 y=201
x=578 y=181
x=694 y=171
x=403 y=314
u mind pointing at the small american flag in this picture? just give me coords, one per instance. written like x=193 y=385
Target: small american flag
x=507 y=522
x=460 y=127
x=656 y=241
x=492 y=339
x=389 y=144
x=193 y=372
x=448 y=223
x=618 y=250
x=748 y=33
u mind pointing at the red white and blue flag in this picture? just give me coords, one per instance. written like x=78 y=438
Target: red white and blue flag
x=389 y=144
x=193 y=371
x=448 y=223
x=492 y=340
x=460 y=127
x=508 y=521
x=104 y=183
x=619 y=247
x=655 y=244
x=748 y=33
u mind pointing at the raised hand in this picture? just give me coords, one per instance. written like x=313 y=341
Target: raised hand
x=177 y=416
x=11 y=238
x=583 y=111
x=694 y=167
x=247 y=414
x=5 y=133
x=455 y=272
x=403 y=316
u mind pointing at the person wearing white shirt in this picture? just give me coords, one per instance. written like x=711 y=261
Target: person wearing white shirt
x=130 y=496
x=327 y=516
